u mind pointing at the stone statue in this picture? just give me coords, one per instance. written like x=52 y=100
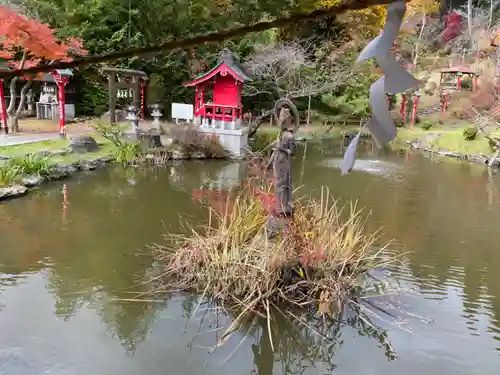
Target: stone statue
x=281 y=161
x=282 y=165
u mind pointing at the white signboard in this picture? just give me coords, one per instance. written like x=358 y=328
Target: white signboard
x=182 y=111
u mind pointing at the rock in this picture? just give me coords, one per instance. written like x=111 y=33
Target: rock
x=106 y=159
x=31 y=180
x=12 y=191
x=417 y=144
x=5 y=157
x=151 y=139
x=66 y=169
x=83 y=143
x=61 y=152
x=58 y=174
x=88 y=165
x=179 y=155
x=166 y=141
x=197 y=155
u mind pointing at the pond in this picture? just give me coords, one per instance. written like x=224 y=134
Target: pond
x=73 y=256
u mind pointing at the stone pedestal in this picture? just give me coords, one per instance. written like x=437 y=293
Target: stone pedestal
x=234 y=141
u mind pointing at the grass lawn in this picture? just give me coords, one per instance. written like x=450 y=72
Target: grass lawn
x=105 y=149
x=57 y=144
x=313 y=131
x=26 y=148
x=449 y=140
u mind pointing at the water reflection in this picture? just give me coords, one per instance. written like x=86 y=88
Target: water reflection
x=73 y=257
x=446 y=215
x=374 y=166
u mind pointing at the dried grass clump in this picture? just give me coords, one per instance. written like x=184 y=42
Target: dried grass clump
x=189 y=139
x=316 y=262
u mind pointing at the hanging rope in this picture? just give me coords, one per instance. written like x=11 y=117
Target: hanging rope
x=201 y=39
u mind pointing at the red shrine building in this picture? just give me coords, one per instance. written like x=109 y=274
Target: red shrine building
x=217 y=102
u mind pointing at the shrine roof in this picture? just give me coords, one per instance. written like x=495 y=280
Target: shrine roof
x=459 y=69
x=226 y=60
x=48 y=77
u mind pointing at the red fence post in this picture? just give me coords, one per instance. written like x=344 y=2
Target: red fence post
x=62 y=109
x=416 y=99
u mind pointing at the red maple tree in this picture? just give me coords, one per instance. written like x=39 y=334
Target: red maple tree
x=453 y=26
x=26 y=43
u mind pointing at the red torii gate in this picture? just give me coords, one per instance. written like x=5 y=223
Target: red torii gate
x=446 y=88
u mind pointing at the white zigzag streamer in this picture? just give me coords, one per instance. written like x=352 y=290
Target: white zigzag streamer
x=395 y=80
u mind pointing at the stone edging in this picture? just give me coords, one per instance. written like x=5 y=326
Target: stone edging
x=62 y=170
x=478 y=159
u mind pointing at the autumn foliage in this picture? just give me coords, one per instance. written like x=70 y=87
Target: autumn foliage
x=26 y=42
x=453 y=26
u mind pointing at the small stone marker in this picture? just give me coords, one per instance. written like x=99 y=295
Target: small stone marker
x=82 y=144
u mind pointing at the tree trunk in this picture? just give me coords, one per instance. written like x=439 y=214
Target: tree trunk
x=309 y=107
x=490 y=16
x=417 y=46
x=12 y=113
x=12 y=102
x=469 y=18
x=13 y=123
x=14 y=116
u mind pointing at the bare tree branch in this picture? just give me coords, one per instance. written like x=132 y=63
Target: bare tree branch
x=290 y=70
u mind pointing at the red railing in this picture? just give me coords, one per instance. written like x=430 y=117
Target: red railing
x=219 y=112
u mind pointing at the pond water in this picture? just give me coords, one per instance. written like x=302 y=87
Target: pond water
x=73 y=254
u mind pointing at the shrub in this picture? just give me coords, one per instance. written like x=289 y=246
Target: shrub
x=126 y=153
x=398 y=120
x=35 y=165
x=426 y=125
x=9 y=174
x=263 y=139
x=470 y=134
x=466 y=83
x=190 y=139
x=113 y=133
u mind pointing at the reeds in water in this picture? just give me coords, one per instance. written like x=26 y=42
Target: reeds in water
x=317 y=261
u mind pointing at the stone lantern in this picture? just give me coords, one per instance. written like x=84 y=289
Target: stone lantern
x=156 y=113
x=133 y=118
